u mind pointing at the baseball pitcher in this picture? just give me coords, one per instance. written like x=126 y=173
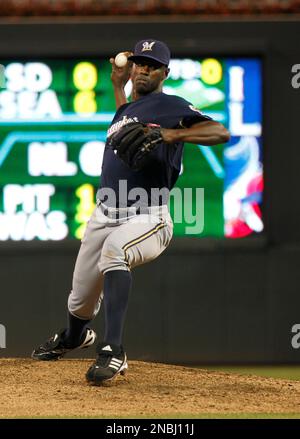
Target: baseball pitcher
x=131 y=224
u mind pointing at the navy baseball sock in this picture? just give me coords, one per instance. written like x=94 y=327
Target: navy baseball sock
x=117 y=286
x=74 y=332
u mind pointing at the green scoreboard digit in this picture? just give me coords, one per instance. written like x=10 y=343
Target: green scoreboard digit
x=54 y=115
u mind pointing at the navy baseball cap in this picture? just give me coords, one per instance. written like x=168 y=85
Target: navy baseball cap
x=151 y=49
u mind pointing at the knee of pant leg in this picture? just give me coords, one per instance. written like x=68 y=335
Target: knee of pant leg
x=82 y=309
x=112 y=257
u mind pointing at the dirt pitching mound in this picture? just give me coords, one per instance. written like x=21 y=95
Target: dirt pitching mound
x=32 y=389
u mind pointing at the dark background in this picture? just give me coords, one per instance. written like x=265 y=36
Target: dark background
x=202 y=301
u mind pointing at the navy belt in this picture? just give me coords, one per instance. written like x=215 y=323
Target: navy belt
x=122 y=212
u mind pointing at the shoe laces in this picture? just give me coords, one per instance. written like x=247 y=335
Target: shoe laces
x=50 y=343
x=53 y=343
x=103 y=359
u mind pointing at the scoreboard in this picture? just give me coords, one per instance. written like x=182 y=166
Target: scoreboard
x=54 y=115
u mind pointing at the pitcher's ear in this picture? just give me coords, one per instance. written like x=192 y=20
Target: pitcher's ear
x=167 y=71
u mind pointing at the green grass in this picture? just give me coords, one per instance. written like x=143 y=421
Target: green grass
x=286 y=372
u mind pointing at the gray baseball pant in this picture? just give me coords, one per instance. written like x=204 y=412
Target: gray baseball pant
x=115 y=244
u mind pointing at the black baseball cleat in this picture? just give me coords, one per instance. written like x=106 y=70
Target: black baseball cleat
x=110 y=362
x=56 y=347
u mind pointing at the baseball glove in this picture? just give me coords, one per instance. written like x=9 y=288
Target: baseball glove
x=134 y=142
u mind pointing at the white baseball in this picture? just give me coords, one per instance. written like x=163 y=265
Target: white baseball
x=121 y=59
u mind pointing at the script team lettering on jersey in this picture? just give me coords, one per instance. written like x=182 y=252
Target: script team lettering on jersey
x=162 y=171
